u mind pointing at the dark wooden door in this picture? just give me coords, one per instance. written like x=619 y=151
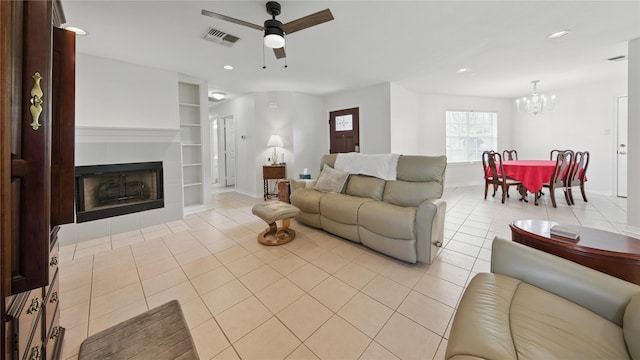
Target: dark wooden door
x=344 y=131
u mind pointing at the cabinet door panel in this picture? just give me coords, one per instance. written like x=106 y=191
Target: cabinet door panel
x=63 y=127
x=30 y=151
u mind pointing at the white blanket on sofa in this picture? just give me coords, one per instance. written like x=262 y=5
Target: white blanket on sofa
x=383 y=166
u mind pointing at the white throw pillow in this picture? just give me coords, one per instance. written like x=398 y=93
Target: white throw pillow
x=331 y=180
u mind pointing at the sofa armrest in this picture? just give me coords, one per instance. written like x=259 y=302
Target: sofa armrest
x=301 y=184
x=601 y=293
x=430 y=228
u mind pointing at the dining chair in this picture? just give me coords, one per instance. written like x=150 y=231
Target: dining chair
x=487 y=174
x=553 y=154
x=578 y=174
x=559 y=177
x=510 y=155
x=496 y=177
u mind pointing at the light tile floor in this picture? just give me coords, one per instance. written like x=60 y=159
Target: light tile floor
x=317 y=297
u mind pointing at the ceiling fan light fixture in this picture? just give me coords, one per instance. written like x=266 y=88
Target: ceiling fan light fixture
x=274 y=31
x=273 y=34
x=274 y=41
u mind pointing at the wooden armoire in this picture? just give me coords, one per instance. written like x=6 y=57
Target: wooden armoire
x=37 y=104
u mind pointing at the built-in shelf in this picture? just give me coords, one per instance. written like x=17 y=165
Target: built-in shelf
x=193 y=184
x=189 y=104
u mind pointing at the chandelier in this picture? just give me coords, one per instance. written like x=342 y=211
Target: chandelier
x=536 y=103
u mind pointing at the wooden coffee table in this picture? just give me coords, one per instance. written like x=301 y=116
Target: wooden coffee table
x=615 y=254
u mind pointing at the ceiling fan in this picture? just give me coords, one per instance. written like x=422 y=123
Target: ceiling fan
x=274 y=30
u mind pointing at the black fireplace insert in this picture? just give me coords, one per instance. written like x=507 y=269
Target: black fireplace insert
x=104 y=191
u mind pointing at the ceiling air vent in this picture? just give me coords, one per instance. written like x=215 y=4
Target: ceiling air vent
x=220 y=37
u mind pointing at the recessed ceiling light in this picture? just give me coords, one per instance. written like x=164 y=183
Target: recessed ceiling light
x=76 y=30
x=217 y=95
x=228 y=67
x=558 y=34
x=463 y=70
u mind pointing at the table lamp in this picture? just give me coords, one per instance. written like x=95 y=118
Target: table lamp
x=275 y=141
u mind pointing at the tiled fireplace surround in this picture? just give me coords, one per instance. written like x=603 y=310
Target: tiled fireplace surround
x=100 y=146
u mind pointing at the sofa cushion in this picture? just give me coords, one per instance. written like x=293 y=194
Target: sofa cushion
x=342 y=208
x=307 y=200
x=398 y=248
x=546 y=326
x=481 y=325
x=500 y=317
x=422 y=168
x=405 y=193
x=631 y=326
x=388 y=220
x=365 y=186
x=331 y=180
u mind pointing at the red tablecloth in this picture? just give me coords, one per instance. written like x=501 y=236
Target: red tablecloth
x=532 y=173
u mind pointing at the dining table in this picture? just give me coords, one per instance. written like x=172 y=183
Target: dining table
x=531 y=173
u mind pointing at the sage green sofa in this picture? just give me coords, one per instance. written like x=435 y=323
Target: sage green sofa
x=403 y=218
x=534 y=305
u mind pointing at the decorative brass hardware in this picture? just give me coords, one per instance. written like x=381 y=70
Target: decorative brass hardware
x=36 y=101
x=36 y=302
x=55 y=332
x=54 y=297
x=35 y=353
x=54 y=261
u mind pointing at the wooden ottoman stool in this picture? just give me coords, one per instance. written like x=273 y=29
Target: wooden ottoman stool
x=270 y=212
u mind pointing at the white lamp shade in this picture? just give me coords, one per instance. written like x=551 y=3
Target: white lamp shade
x=274 y=41
x=275 y=140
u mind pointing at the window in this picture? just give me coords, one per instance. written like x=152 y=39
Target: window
x=469 y=133
x=344 y=123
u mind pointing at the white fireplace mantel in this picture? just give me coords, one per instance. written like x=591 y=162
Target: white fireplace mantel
x=92 y=134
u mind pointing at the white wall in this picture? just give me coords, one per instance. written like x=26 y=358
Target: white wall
x=309 y=125
x=431 y=131
x=375 y=112
x=297 y=118
x=584 y=118
x=404 y=121
x=111 y=93
x=274 y=116
x=633 y=192
x=243 y=111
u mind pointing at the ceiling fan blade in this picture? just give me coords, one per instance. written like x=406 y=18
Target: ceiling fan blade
x=230 y=19
x=279 y=53
x=308 y=21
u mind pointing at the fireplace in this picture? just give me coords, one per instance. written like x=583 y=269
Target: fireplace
x=104 y=191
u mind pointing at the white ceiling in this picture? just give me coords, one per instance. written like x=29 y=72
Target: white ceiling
x=417 y=44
